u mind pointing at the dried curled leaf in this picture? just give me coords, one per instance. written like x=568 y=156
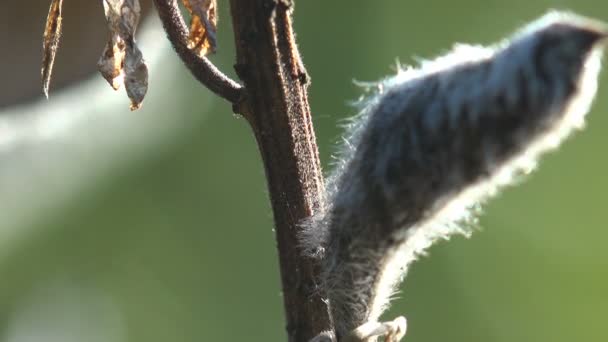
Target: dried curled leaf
x=121 y=60
x=136 y=76
x=203 y=28
x=51 y=36
x=111 y=61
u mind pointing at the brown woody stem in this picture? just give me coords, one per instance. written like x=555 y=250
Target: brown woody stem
x=202 y=68
x=275 y=103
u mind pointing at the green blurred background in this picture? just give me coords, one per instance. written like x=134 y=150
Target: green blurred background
x=176 y=243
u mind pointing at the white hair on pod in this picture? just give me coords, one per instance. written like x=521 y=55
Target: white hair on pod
x=434 y=142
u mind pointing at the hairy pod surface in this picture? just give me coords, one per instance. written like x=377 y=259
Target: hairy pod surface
x=435 y=141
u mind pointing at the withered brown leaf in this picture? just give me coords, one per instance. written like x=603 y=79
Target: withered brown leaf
x=51 y=36
x=202 y=38
x=121 y=61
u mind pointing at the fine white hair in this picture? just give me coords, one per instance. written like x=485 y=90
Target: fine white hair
x=433 y=142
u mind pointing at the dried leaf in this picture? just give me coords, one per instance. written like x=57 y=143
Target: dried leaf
x=111 y=60
x=51 y=36
x=202 y=38
x=136 y=80
x=121 y=61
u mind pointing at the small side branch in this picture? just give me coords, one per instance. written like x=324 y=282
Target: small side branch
x=202 y=68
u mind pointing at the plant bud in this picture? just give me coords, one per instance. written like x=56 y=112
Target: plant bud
x=434 y=142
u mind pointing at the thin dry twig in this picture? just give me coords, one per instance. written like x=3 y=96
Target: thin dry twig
x=200 y=67
x=52 y=35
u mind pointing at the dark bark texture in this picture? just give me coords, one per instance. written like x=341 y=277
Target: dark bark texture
x=275 y=104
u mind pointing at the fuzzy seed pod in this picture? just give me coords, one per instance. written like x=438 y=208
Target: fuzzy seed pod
x=436 y=141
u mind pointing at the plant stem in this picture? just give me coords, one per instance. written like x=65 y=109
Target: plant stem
x=201 y=67
x=276 y=105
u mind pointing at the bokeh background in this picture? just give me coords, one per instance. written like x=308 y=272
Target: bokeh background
x=155 y=225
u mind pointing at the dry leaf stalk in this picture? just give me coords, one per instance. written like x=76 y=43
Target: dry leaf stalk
x=52 y=35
